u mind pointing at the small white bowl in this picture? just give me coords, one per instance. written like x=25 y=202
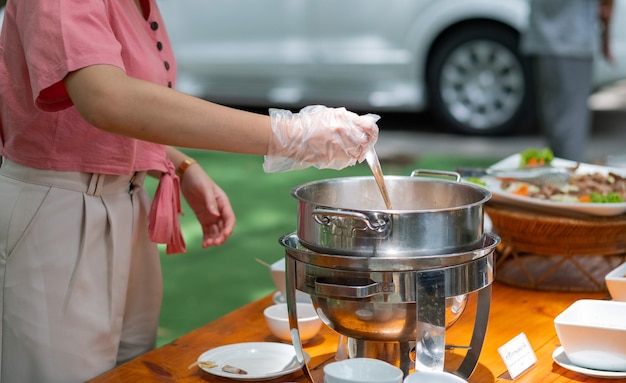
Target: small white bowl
x=433 y=377
x=616 y=283
x=362 y=370
x=593 y=334
x=279 y=277
x=277 y=319
x=277 y=271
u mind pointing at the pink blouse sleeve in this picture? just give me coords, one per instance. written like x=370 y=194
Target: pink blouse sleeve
x=61 y=36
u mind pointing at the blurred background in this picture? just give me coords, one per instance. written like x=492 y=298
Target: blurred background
x=458 y=60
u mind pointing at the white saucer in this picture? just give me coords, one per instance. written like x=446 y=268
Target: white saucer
x=562 y=360
x=261 y=360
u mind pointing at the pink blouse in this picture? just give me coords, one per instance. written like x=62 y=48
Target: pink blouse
x=41 y=42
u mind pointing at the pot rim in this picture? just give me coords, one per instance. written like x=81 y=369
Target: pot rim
x=484 y=192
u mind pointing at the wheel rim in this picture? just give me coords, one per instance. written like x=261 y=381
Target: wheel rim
x=482 y=84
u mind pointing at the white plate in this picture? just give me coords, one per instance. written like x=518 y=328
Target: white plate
x=596 y=209
x=262 y=360
x=562 y=360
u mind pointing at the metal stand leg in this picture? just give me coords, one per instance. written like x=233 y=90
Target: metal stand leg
x=290 y=268
x=430 y=299
x=478 y=336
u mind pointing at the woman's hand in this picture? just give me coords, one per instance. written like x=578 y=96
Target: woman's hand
x=326 y=138
x=210 y=205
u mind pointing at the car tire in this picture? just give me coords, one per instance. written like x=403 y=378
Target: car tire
x=478 y=83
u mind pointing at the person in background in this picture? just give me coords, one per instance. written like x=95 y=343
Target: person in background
x=89 y=108
x=562 y=38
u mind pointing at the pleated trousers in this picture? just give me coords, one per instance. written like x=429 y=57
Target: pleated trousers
x=80 y=281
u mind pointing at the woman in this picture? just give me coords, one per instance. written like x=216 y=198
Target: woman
x=88 y=109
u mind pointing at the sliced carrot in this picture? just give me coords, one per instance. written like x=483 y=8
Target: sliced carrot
x=522 y=190
x=535 y=162
x=584 y=198
x=532 y=162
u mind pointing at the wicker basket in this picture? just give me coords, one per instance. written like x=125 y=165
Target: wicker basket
x=551 y=252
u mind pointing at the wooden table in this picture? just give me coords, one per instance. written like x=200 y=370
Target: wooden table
x=513 y=311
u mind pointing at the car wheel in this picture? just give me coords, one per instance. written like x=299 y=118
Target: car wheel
x=478 y=83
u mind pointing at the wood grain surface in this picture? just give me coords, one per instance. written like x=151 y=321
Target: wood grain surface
x=513 y=311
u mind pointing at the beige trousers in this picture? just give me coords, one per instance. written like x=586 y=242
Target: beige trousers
x=80 y=281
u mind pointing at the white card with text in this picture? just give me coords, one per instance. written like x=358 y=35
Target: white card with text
x=518 y=355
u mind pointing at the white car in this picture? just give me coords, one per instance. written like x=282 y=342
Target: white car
x=456 y=58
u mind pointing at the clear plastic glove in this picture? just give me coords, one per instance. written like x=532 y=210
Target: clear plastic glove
x=326 y=138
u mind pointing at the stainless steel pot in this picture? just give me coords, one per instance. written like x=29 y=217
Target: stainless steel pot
x=347 y=215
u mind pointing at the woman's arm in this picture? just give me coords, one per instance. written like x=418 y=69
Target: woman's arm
x=110 y=100
x=316 y=136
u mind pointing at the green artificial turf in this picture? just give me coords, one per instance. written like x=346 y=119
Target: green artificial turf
x=204 y=284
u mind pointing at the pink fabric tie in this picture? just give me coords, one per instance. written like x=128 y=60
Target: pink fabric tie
x=163 y=222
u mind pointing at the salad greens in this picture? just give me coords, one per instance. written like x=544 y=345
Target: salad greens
x=536 y=157
x=476 y=180
x=612 y=197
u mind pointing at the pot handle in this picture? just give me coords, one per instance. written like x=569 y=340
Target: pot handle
x=324 y=217
x=361 y=288
x=439 y=173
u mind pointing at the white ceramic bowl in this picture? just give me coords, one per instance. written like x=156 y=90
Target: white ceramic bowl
x=616 y=283
x=433 y=377
x=277 y=319
x=593 y=334
x=362 y=370
x=277 y=271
